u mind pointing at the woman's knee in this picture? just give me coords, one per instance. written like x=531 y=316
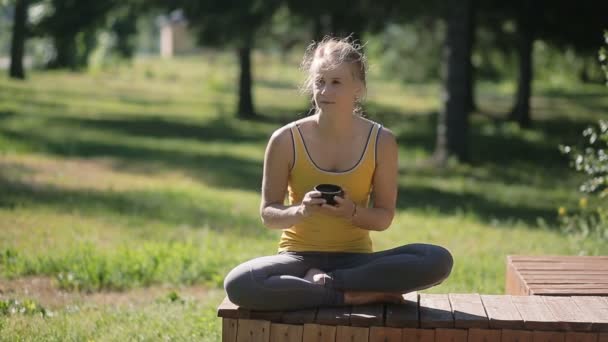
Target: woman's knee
x=442 y=261
x=238 y=285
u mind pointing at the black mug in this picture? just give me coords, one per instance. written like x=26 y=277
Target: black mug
x=328 y=191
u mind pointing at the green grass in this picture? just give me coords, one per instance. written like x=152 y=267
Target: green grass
x=139 y=175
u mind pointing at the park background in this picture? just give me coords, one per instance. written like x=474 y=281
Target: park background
x=132 y=137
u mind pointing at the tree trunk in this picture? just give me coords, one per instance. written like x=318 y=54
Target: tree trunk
x=470 y=84
x=245 y=109
x=453 y=124
x=65 y=52
x=525 y=25
x=18 y=40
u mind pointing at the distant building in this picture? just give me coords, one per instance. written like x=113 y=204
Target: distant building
x=175 y=37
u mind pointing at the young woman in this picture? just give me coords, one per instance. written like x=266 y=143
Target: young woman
x=325 y=255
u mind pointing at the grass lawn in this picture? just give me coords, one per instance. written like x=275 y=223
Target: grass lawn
x=126 y=194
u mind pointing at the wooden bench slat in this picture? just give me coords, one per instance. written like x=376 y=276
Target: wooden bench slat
x=569 y=292
x=272 y=316
x=484 y=335
x=468 y=311
x=403 y=315
x=367 y=315
x=352 y=334
x=435 y=311
x=299 y=316
x=567 y=313
x=319 y=333
x=418 y=335
x=509 y=335
x=333 y=315
x=535 y=313
x=384 y=334
x=580 y=337
x=568 y=286
x=451 y=335
x=548 y=336
x=229 y=329
x=286 y=332
x=596 y=309
x=227 y=309
x=250 y=330
x=502 y=313
x=563 y=266
x=524 y=258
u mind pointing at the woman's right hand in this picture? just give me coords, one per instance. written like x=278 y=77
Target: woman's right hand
x=311 y=203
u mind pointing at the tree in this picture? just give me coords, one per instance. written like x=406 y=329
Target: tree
x=18 y=39
x=73 y=26
x=453 y=121
x=232 y=24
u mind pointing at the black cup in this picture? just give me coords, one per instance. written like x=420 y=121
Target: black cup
x=328 y=191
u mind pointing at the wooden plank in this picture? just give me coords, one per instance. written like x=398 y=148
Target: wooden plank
x=272 y=316
x=483 y=335
x=418 y=335
x=514 y=283
x=603 y=337
x=229 y=329
x=286 y=332
x=572 y=336
x=299 y=316
x=581 y=285
x=435 y=311
x=333 y=315
x=384 y=334
x=319 y=333
x=367 y=315
x=227 y=309
x=562 y=266
x=502 y=313
x=352 y=334
x=468 y=311
x=403 y=315
x=596 y=310
x=565 y=310
x=509 y=335
x=250 y=330
x=569 y=292
x=535 y=313
x=548 y=336
x=536 y=258
x=451 y=335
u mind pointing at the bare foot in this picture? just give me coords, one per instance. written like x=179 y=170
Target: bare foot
x=316 y=276
x=369 y=297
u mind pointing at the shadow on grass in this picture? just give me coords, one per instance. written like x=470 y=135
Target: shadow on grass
x=215 y=170
x=161 y=126
x=159 y=206
x=421 y=198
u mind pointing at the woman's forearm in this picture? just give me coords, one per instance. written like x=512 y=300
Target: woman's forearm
x=278 y=216
x=377 y=219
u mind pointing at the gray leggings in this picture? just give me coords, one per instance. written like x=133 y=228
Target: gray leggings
x=276 y=282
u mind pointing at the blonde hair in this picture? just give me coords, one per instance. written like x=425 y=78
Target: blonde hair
x=328 y=54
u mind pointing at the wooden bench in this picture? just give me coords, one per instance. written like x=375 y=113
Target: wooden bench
x=428 y=317
x=557 y=275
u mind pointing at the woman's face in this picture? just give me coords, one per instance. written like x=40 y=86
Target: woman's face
x=334 y=90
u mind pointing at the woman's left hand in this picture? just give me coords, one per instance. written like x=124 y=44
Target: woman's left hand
x=344 y=207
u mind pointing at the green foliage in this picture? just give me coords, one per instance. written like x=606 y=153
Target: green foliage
x=403 y=50
x=603 y=56
x=86 y=268
x=591 y=159
x=21 y=307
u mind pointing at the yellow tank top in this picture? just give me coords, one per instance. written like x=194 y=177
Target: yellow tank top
x=325 y=233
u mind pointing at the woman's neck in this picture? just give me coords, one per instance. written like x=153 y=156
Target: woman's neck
x=335 y=126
